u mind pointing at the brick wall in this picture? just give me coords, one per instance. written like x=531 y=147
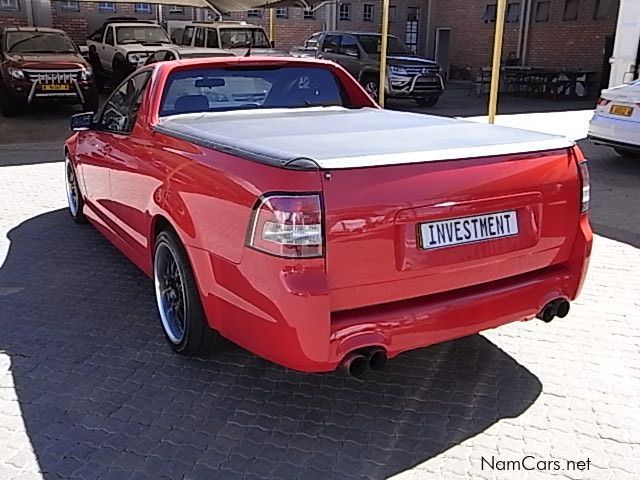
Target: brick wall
x=554 y=43
x=13 y=20
x=575 y=44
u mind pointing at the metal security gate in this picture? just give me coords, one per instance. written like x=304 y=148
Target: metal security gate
x=411 y=35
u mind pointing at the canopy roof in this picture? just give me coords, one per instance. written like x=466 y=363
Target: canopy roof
x=229 y=5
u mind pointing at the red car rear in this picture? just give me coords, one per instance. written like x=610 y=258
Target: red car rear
x=277 y=206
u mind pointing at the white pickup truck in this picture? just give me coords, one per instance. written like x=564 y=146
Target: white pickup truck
x=121 y=44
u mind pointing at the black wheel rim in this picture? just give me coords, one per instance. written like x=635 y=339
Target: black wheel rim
x=170 y=293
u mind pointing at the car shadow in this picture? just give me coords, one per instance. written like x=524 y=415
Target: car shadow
x=101 y=393
x=614 y=193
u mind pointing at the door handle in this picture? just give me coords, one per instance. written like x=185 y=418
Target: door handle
x=106 y=149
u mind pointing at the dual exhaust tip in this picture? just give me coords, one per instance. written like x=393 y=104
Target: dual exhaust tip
x=556 y=308
x=356 y=364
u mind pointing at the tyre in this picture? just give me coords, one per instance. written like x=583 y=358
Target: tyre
x=74 y=196
x=8 y=105
x=179 y=306
x=627 y=153
x=371 y=83
x=427 y=101
x=96 y=66
x=90 y=101
x=120 y=72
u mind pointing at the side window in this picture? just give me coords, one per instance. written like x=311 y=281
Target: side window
x=331 y=44
x=349 y=46
x=199 y=38
x=97 y=35
x=120 y=112
x=212 y=38
x=187 y=36
x=108 y=38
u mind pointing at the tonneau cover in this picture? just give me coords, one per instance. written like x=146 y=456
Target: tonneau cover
x=337 y=137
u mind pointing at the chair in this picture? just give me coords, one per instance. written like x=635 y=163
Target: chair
x=191 y=104
x=480 y=80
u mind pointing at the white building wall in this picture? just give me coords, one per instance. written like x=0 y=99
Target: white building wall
x=627 y=43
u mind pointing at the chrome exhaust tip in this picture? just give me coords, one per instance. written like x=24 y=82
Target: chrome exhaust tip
x=377 y=358
x=354 y=364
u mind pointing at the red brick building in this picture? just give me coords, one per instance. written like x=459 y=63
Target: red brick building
x=550 y=33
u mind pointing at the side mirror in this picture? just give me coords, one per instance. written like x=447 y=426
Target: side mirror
x=273 y=43
x=82 y=122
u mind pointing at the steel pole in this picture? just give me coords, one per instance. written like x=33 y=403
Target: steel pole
x=497 y=57
x=383 y=52
x=272 y=25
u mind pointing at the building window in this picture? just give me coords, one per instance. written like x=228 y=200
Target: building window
x=367 y=12
x=176 y=9
x=254 y=13
x=571 y=10
x=345 y=12
x=70 y=6
x=9 y=5
x=513 y=13
x=282 y=12
x=392 y=14
x=142 y=8
x=106 y=6
x=542 y=11
x=603 y=8
x=489 y=14
x=308 y=14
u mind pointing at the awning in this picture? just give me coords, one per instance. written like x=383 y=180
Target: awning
x=230 y=5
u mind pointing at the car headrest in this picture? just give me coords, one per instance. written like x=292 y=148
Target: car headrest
x=191 y=104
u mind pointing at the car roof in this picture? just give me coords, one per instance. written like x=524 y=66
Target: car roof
x=357 y=34
x=196 y=50
x=224 y=24
x=34 y=29
x=135 y=24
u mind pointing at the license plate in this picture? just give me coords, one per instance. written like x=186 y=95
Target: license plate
x=458 y=231
x=55 y=88
x=621 y=110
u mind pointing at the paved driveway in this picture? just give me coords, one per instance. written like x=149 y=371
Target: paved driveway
x=89 y=389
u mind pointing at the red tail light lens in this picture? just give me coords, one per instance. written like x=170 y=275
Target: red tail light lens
x=603 y=102
x=585 y=190
x=288 y=226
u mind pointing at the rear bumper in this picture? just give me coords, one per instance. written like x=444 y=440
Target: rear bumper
x=282 y=311
x=615 y=132
x=614 y=143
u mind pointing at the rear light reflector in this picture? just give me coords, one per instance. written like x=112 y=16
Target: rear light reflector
x=603 y=102
x=585 y=187
x=288 y=226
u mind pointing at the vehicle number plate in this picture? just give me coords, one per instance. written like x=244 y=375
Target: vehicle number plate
x=458 y=231
x=55 y=88
x=621 y=110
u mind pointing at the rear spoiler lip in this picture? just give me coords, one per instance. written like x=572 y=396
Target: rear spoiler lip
x=448 y=154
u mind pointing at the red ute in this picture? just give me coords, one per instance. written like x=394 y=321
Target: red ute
x=276 y=205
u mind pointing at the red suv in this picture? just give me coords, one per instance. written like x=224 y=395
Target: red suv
x=42 y=64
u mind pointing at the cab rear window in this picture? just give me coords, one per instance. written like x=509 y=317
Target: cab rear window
x=245 y=88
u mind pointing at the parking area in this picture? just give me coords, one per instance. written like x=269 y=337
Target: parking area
x=89 y=389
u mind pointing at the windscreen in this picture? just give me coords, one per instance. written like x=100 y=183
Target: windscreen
x=39 y=42
x=244 y=88
x=371 y=45
x=243 y=37
x=141 y=34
